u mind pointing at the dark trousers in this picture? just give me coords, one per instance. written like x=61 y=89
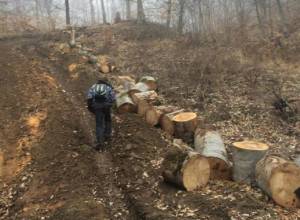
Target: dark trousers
x=103 y=124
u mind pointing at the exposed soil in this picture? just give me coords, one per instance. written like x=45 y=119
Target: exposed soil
x=48 y=169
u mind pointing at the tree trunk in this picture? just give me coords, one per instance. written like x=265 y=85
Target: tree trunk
x=187 y=170
x=103 y=12
x=211 y=145
x=259 y=19
x=37 y=14
x=68 y=20
x=128 y=10
x=245 y=156
x=283 y=19
x=280 y=179
x=169 y=13
x=125 y=103
x=92 y=8
x=185 y=124
x=140 y=12
x=181 y=16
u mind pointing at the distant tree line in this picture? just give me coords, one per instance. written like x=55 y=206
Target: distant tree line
x=208 y=18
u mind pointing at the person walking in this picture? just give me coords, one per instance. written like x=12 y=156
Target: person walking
x=100 y=99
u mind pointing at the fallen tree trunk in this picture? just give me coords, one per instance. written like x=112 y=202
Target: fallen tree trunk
x=148 y=96
x=280 y=179
x=245 y=156
x=125 y=103
x=186 y=169
x=167 y=123
x=139 y=87
x=211 y=145
x=150 y=81
x=154 y=114
x=185 y=124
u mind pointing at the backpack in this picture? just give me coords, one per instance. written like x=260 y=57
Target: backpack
x=101 y=92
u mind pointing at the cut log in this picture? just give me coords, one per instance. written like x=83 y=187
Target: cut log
x=245 y=156
x=142 y=107
x=105 y=64
x=167 y=123
x=125 y=103
x=211 y=145
x=150 y=81
x=139 y=87
x=280 y=179
x=188 y=170
x=126 y=82
x=185 y=124
x=149 y=96
x=154 y=114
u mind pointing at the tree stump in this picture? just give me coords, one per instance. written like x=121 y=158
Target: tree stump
x=245 y=156
x=280 y=179
x=150 y=81
x=187 y=170
x=125 y=104
x=185 y=124
x=211 y=145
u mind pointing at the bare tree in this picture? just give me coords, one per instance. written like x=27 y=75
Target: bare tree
x=48 y=6
x=140 y=12
x=103 y=12
x=128 y=10
x=283 y=19
x=67 y=6
x=259 y=19
x=180 y=16
x=93 y=17
x=169 y=13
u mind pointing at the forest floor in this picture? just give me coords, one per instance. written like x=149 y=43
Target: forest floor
x=48 y=169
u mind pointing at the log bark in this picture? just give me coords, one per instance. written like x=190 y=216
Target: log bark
x=149 y=96
x=125 y=103
x=142 y=107
x=185 y=124
x=167 y=123
x=150 y=81
x=280 y=179
x=187 y=170
x=245 y=156
x=154 y=114
x=139 y=87
x=211 y=145
x=126 y=82
x=105 y=64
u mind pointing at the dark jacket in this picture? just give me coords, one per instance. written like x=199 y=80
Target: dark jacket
x=94 y=104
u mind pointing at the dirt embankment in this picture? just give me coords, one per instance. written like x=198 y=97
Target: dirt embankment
x=50 y=171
